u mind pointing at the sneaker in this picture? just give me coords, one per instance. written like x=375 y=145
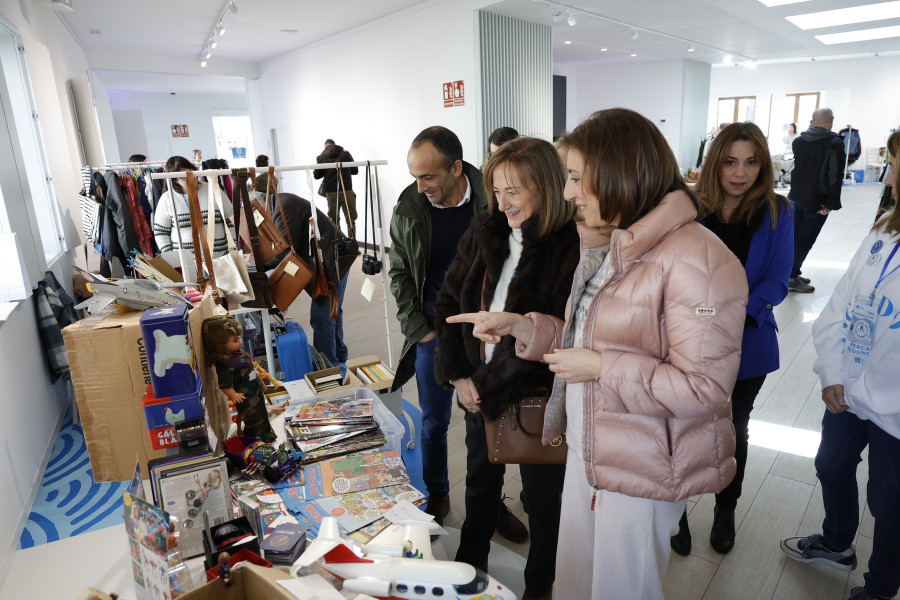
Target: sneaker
x=510 y=526
x=797 y=285
x=803 y=279
x=860 y=593
x=812 y=549
x=438 y=507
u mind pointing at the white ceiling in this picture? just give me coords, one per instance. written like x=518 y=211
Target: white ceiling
x=177 y=31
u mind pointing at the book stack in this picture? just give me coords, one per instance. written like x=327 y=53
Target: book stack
x=334 y=427
x=374 y=373
x=285 y=544
x=324 y=383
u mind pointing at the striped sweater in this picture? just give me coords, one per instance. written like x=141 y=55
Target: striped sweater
x=164 y=225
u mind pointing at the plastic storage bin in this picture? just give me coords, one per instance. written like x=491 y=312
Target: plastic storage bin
x=390 y=426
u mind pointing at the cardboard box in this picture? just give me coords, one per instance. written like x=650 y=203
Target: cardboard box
x=167 y=338
x=251 y=582
x=393 y=400
x=350 y=381
x=110 y=373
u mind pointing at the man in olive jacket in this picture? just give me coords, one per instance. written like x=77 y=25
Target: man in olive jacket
x=429 y=219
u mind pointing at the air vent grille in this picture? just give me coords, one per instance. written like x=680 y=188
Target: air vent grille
x=95 y=31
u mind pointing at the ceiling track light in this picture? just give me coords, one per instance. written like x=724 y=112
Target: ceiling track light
x=634 y=34
x=217 y=31
x=572 y=20
x=558 y=15
x=690 y=47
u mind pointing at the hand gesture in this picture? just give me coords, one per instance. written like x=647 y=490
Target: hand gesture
x=490 y=327
x=574 y=365
x=467 y=394
x=833 y=397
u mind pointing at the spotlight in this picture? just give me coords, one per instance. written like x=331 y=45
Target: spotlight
x=222 y=31
x=558 y=15
x=634 y=35
x=572 y=20
x=727 y=59
x=233 y=7
x=209 y=55
x=690 y=47
x=202 y=63
x=214 y=44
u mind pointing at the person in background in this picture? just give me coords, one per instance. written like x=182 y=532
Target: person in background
x=334 y=185
x=815 y=188
x=337 y=257
x=644 y=362
x=198 y=156
x=858 y=350
x=137 y=158
x=792 y=135
x=498 y=137
x=519 y=256
x=166 y=223
x=736 y=188
x=260 y=184
x=429 y=219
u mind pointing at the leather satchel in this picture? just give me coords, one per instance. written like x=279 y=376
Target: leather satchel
x=515 y=436
x=292 y=274
x=323 y=286
x=271 y=242
x=259 y=281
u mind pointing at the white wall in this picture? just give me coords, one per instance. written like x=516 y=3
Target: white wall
x=374 y=89
x=160 y=111
x=861 y=92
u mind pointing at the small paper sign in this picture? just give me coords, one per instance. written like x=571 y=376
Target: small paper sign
x=368 y=288
x=257 y=217
x=291 y=269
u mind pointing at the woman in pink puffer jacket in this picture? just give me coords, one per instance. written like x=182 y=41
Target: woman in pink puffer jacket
x=644 y=362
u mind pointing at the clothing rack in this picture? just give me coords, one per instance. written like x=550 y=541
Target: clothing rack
x=125 y=165
x=379 y=237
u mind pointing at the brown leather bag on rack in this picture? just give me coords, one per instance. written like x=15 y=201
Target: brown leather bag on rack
x=259 y=281
x=198 y=234
x=292 y=274
x=323 y=285
x=271 y=242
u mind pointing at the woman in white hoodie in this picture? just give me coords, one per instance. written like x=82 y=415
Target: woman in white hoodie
x=857 y=340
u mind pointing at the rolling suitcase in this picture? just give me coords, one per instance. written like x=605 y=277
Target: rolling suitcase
x=293 y=351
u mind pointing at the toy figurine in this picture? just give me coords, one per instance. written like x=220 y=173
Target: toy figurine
x=225 y=569
x=238 y=377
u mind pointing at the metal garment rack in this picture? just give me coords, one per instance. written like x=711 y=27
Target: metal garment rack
x=379 y=237
x=125 y=165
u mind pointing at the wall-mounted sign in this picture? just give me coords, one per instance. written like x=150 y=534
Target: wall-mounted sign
x=180 y=131
x=454 y=94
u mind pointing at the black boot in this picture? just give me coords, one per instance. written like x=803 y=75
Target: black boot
x=681 y=541
x=722 y=535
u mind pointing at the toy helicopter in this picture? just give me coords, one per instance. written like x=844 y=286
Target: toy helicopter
x=397 y=571
x=138 y=294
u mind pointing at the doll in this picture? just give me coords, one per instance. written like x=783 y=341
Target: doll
x=238 y=377
x=224 y=570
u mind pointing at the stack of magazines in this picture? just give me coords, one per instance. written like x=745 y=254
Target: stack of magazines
x=331 y=428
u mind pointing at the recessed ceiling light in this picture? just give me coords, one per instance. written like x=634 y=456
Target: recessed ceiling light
x=847 y=16
x=603 y=49
x=633 y=55
x=861 y=35
x=567 y=42
x=771 y=3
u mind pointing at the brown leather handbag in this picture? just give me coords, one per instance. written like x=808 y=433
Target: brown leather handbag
x=292 y=274
x=259 y=281
x=323 y=286
x=515 y=436
x=271 y=242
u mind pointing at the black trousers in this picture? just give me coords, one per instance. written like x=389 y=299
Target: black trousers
x=745 y=392
x=542 y=486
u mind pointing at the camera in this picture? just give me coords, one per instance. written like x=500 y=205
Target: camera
x=370 y=265
x=346 y=246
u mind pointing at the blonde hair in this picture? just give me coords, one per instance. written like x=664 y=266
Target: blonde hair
x=890 y=222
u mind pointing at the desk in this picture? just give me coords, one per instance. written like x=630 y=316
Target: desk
x=267 y=333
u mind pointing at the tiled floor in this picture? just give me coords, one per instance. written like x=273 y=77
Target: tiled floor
x=780 y=497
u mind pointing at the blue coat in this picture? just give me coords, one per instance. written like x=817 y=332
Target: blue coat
x=768 y=269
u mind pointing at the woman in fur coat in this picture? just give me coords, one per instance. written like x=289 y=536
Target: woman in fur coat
x=518 y=257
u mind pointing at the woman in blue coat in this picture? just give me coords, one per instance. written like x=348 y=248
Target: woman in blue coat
x=737 y=187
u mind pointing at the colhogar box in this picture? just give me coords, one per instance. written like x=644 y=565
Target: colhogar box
x=163 y=414
x=170 y=350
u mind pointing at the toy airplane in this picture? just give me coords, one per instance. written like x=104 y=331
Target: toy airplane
x=131 y=293
x=396 y=571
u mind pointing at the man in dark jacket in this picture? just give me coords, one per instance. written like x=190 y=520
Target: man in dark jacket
x=429 y=219
x=328 y=333
x=815 y=188
x=334 y=183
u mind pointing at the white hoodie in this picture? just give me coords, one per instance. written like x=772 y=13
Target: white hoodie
x=873 y=395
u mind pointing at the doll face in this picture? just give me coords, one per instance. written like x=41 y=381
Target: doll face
x=234 y=344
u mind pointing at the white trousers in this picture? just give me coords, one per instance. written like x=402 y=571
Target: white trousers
x=619 y=550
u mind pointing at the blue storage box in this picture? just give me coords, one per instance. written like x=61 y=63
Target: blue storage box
x=170 y=350
x=170 y=410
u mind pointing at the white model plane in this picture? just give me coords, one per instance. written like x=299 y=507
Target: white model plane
x=132 y=293
x=399 y=571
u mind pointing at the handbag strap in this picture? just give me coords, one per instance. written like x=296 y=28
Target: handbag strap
x=483 y=285
x=342 y=189
x=216 y=193
x=199 y=237
x=270 y=179
x=242 y=198
x=369 y=202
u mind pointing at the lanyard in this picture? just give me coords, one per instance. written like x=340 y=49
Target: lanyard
x=882 y=277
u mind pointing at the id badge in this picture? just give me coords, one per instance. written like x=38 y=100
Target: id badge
x=860 y=334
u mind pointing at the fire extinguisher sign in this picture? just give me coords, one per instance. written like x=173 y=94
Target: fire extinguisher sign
x=454 y=94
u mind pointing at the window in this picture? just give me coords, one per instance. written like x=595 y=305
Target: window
x=801 y=106
x=234 y=138
x=736 y=109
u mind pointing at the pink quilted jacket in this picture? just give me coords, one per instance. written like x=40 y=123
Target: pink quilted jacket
x=668 y=325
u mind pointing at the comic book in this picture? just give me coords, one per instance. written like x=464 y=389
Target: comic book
x=336 y=412
x=354 y=473
x=365 y=534
x=304 y=433
x=271 y=504
x=148 y=532
x=358 y=509
x=358 y=443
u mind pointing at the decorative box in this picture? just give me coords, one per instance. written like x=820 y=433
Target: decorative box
x=170 y=350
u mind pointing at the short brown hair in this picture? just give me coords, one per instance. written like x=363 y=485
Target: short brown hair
x=761 y=193
x=541 y=171
x=890 y=222
x=628 y=164
x=179 y=163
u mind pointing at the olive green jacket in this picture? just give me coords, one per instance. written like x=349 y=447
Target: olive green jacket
x=409 y=258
